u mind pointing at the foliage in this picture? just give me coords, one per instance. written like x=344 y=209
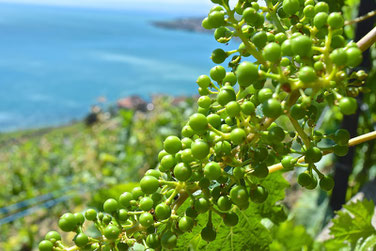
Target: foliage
x=354 y=223
x=48 y=171
x=219 y=169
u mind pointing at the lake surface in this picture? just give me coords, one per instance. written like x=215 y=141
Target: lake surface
x=56 y=61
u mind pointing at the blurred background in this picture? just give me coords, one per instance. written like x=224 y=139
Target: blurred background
x=59 y=56
x=91 y=88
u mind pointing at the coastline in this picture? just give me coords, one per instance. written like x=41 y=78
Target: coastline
x=192 y=24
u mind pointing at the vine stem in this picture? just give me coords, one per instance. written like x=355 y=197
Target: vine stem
x=367 y=40
x=300 y=131
x=352 y=142
x=362 y=18
x=274 y=17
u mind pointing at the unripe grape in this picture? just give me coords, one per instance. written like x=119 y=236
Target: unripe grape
x=67 y=222
x=146 y=203
x=327 y=183
x=218 y=73
x=348 y=105
x=123 y=215
x=246 y=73
x=218 y=56
x=216 y=19
x=168 y=240
x=288 y=162
x=224 y=203
x=230 y=78
x=162 y=211
x=202 y=205
x=203 y=81
x=313 y=184
x=111 y=232
x=198 y=122
x=222 y=33
x=342 y=137
x=250 y=16
x=187 y=156
x=214 y=120
x=81 y=240
x=301 y=45
x=272 y=52
x=149 y=184
x=172 y=144
x=52 y=235
x=272 y=108
x=341 y=150
x=222 y=148
x=110 y=206
x=125 y=199
x=146 y=220
x=231 y=219
x=309 y=11
x=225 y=95
x=264 y=94
x=321 y=7
x=186 y=223
x=153 y=241
x=200 y=149
x=182 y=172
x=205 y=23
x=290 y=7
x=260 y=171
x=286 y=48
x=307 y=74
x=212 y=170
x=339 y=57
x=137 y=192
x=237 y=136
x=304 y=179
x=204 y=101
x=337 y=42
x=297 y=111
x=259 y=39
x=335 y=20
x=320 y=20
x=153 y=172
x=167 y=163
x=313 y=155
x=80 y=219
x=46 y=246
x=248 y=108
x=208 y=234
x=233 y=108
x=258 y=195
x=185 y=132
x=354 y=56
x=239 y=195
x=276 y=134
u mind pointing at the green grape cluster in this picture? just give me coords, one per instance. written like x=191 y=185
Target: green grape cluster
x=301 y=62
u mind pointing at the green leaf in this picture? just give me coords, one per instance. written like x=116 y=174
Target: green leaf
x=367 y=244
x=354 y=223
x=288 y=237
x=249 y=233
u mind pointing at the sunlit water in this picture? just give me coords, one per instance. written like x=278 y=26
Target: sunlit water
x=55 y=62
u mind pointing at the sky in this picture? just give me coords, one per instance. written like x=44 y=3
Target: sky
x=186 y=6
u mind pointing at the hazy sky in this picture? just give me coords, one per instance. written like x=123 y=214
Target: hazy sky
x=186 y=6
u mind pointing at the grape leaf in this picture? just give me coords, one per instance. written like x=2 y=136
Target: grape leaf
x=367 y=244
x=249 y=233
x=289 y=237
x=355 y=222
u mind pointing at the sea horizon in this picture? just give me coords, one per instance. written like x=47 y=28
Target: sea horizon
x=56 y=61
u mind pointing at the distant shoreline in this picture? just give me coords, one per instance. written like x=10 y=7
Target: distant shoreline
x=192 y=24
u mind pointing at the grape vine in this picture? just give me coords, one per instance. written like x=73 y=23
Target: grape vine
x=253 y=119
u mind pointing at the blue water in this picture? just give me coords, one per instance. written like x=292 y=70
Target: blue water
x=56 y=61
